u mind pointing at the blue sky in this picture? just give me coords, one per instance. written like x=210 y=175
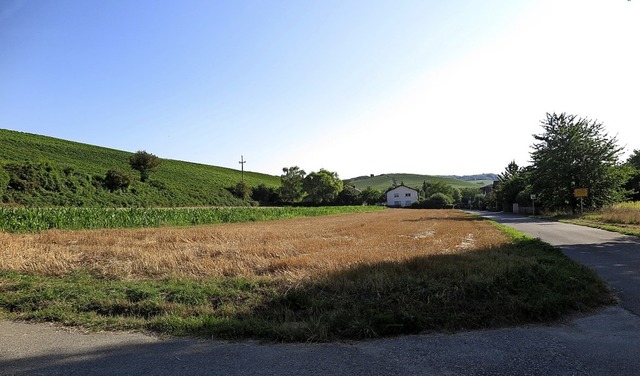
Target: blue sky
x=356 y=87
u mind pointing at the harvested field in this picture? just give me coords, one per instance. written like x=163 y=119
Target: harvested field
x=294 y=249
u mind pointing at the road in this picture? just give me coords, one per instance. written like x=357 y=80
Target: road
x=604 y=343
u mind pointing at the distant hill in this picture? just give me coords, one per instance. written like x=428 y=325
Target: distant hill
x=57 y=172
x=385 y=181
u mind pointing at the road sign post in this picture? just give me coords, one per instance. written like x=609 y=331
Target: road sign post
x=581 y=193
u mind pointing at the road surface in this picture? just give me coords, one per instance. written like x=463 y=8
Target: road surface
x=605 y=343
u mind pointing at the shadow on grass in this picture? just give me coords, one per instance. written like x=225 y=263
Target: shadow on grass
x=525 y=282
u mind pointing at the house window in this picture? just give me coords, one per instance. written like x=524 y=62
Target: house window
x=396 y=195
x=396 y=203
x=407 y=203
x=407 y=195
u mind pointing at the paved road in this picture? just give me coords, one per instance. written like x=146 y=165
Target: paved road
x=606 y=343
x=615 y=257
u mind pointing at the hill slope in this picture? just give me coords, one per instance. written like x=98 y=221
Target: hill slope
x=60 y=172
x=385 y=181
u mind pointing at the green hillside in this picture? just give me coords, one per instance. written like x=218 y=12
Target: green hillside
x=55 y=172
x=385 y=181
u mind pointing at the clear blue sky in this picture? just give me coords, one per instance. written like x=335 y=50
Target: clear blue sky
x=353 y=86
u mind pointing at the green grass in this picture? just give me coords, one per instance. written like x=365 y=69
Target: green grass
x=524 y=282
x=68 y=169
x=39 y=219
x=385 y=181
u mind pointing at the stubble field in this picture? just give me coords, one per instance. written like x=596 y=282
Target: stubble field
x=340 y=276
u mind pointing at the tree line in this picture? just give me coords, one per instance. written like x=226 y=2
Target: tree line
x=571 y=157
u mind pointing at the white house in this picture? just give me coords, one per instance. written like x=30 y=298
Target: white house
x=401 y=196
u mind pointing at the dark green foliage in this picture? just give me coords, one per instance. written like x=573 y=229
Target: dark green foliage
x=53 y=172
x=291 y=189
x=633 y=184
x=436 y=186
x=117 y=180
x=349 y=195
x=575 y=153
x=265 y=195
x=513 y=182
x=371 y=196
x=4 y=179
x=322 y=186
x=242 y=191
x=435 y=201
x=145 y=163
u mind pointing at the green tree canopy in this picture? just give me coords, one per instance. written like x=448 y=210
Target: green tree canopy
x=145 y=163
x=322 y=186
x=572 y=153
x=512 y=182
x=291 y=189
x=437 y=186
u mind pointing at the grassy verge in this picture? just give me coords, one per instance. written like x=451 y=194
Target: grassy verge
x=524 y=281
x=75 y=218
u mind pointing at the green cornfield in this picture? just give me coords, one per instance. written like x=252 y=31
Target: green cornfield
x=29 y=220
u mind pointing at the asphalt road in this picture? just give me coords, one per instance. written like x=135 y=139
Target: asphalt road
x=606 y=343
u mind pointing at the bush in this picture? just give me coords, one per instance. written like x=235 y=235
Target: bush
x=115 y=180
x=435 y=201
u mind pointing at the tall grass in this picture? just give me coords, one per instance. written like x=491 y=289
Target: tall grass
x=624 y=212
x=73 y=218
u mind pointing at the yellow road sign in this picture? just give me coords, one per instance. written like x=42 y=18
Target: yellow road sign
x=581 y=192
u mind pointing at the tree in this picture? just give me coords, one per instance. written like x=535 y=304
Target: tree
x=371 y=196
x=633 y=184
x=512 y=182
x=291 y=181
x=145 y=163
x=349 y=195
x=115 y=180
x=322 y=186
x=572 y=153
x=436 y=186
x=264 y=194
x=242 y=190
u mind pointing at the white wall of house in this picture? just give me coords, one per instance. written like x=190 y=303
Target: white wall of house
x=401 y=196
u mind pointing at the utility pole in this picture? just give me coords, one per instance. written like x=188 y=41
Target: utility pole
x=242 y=162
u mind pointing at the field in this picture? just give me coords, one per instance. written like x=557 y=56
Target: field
x=358 y=275
x=39 y=219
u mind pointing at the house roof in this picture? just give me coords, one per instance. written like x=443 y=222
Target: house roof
x=398 y=186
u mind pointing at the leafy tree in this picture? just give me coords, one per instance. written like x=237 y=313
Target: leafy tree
x=322 y=186
x=291 y=189
x=469 y=195
x=115 y=180
x=437 y=186
x=349 y=195
x=634 y=159
x=145 y=163
x=456 y=195
x=435 y=201
x=264 y=194
x=633 y=184
x=242 y=190
x=572 y=153
x=371 y=196
x=512 y=182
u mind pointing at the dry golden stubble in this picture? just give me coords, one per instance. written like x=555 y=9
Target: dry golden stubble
x=293 y=249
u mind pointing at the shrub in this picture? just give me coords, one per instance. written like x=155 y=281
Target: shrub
x=115 y=180
x=435 y=201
